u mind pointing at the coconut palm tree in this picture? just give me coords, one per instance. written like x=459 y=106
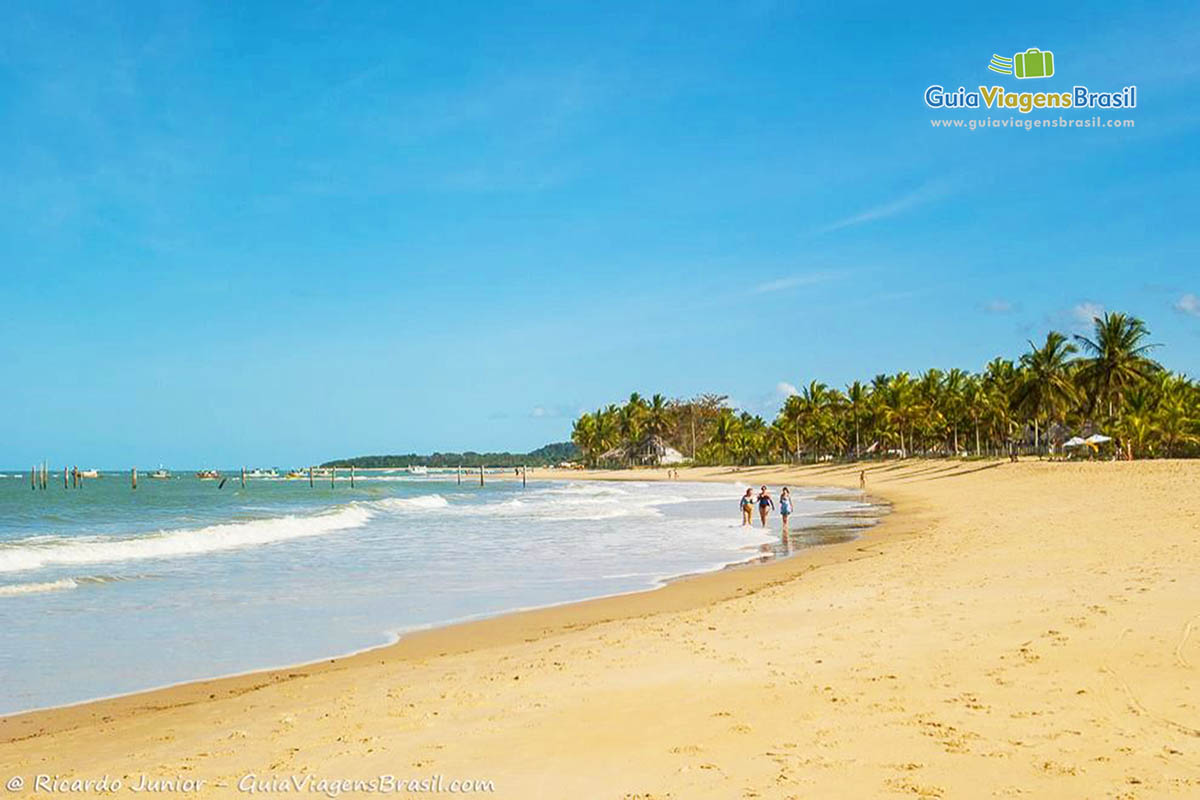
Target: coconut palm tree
x=791 y=417
x=1176 y=418
x=1117 y=360
x=1044 y=387
x=856 y=399
x=657 y=416
x=954 y=387
x=974 y=400
x=725 y=433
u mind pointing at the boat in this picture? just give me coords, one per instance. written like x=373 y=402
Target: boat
x=208 y=474
x=263 y=473
x=161 y=474
x=89 y=473
x=418 y=470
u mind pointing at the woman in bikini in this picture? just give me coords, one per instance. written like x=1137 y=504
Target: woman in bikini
x=747 y=508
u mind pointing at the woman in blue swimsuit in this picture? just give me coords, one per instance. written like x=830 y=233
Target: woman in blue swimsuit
x=765 y=504
x=785 y=506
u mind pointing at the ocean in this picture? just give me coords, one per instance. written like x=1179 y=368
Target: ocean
x=105 y=590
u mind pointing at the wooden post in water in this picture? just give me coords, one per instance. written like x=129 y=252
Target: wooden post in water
x=45 y=475
x=310 y=482
x=523 y=477
x=33 y=479
x=243 y=477
x=65 y=478
x=481 y=474
x=351 y=476
x=74 y=477
x=134 y=478
x=459 y=474
x=332 y=477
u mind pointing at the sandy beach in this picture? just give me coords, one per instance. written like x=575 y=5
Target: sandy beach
x=1008 y=630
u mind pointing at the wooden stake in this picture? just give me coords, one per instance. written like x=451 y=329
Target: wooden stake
x=481 y=475
x=243 y=477
x=65 y=478
x=332 y=477
x=459 y=474
x=33 y=479
x=522 y=477
x=310 y=482
x=134 y=476
x=351 y=476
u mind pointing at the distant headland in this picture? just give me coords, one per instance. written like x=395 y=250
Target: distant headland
x=546 y=455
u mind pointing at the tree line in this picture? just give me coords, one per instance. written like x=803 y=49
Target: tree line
x=1103 y=383
x=547 y=455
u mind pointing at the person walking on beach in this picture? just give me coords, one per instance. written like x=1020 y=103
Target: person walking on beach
x=785 y=507
x=765 y=504
x=747 y=508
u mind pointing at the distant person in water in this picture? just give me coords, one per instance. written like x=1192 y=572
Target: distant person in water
x=765 y=504
x=785 y=506
x=747 y=508
x=862 y=480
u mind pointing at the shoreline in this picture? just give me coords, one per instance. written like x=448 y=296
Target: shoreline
x=20 y=725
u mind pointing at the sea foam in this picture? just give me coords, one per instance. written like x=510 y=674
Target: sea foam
x=42 y=551
x=17 y=589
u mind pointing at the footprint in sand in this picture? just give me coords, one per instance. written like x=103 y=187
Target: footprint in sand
x=687 y=750
x=908 y=786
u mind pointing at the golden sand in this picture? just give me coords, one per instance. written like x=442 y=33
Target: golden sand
x=1010 y=630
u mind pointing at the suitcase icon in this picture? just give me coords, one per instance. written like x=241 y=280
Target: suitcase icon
x=1033 y=63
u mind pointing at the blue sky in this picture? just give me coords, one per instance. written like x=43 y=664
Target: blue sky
x=280 y=233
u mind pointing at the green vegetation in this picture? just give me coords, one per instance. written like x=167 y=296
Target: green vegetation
x=544 y=456
x=1104 y=383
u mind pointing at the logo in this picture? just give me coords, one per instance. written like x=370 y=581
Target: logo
x=1033 y=63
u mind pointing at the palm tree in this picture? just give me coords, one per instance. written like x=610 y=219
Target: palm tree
x=790 y=417
x=657 y=415
x=954 y=400
x=1176 y=419
x=725 y=433
x=777 y=442
x=1137 y=426
x=1044 y=388
x=583 y=434
x=856 y=397
x=900 y=408
x=999 y=380
x=1117 y=360
x=974 y=399
x=814 y=399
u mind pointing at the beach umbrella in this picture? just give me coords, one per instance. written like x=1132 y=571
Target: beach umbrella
x=1075 y=441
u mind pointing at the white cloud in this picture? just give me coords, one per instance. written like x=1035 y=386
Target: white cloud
x=998 y=306
x=792 y=281
x=539 y=412
x=1085 y=313
x=1189 y=304
x=925 y=194
x=785 y=389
